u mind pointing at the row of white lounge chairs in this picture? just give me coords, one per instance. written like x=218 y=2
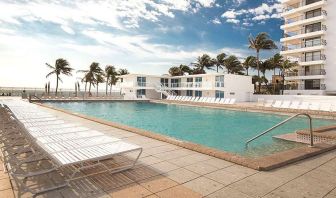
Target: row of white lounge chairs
x=30 y=137
x=298 y=105
x=203 y=99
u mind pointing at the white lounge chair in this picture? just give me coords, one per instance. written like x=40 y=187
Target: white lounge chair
x=212 y=100
x=227 y=101
x=221 y=101
x=232 y=101
x=285 y=104
x=295 y=105
x=315 y=106
x=268 y=103
x=217 y=100
x=277 y=104
x=261 y=102
x=333 y=107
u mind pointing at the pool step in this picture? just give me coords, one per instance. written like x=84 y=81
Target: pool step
x=322 y=134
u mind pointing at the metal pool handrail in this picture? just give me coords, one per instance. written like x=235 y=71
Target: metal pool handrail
x=283 y=122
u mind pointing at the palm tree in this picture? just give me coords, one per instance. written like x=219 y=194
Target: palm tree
x=276 y=62
x=62 y=66
x=185 y=69
x=219 y=61
x=203 y=62
x=99 y=78
x=123 y=72
x=109 y=72
x=113 y=81
x=249 y=62
x=175 y=71
x=233 y=65
x=89 y=75
x=261 y=42
x=286 y=66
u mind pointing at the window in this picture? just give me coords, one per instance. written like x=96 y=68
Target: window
x=311 y=1
x=313 y=42
x=190 y=82
x=313 y=27
x=312 y=84
x=198 y=82
x=175 y=82
x=312 y=56
x=141 y=92
x=164 y=82
x=219 y=94
x=121 y=80
x=219 y=81
x=313 y=13
x=198 y=93
x=189 y=93
x=141 y=81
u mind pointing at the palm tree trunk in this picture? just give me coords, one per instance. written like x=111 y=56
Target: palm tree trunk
x=106 y=85
x=90 y=89
x=111 y=89
x=56 y=85
x=85 y=88
x=247 y=71
x=217 y=69
x=258 y=68
x=97 y=90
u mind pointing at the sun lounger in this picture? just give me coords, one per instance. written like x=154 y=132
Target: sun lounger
x=285 y=104
x=315 y=106
x=217 y=100
x=268 y=103
x=261 y=102
x=232 y=101
x=295 y=105
x=277 y=104
x=227 y=101
x=212 y=100
x=78 y=148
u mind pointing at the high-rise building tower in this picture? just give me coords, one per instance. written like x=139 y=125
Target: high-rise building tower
x=310 y=39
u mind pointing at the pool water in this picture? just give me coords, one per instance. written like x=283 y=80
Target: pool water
x=225 y=130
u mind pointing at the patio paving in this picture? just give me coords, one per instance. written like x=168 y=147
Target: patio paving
x=165 y=170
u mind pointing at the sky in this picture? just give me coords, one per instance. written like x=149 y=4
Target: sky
x=143 y=36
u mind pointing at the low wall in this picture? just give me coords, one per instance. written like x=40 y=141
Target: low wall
x=332 y=99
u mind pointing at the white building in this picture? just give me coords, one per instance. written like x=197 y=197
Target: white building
x=310 y=38
x=203 y=85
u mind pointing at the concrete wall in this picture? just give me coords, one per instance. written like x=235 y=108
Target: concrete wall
x=331 y=46
x=331 y=99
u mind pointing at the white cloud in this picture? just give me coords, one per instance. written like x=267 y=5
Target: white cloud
x=216 y=21
x=260 y=13
x=235 y=21
x=67 y=29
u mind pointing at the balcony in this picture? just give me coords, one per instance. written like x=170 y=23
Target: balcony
x=306 y=46
x=302 y=6
x=311 y=72
x=301 y=33
x=303 y=17
x=304 y=87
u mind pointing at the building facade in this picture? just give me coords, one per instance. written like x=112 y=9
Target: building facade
x=309 y=38
x=135 y=86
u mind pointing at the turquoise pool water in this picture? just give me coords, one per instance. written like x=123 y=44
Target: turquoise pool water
x=221 y=129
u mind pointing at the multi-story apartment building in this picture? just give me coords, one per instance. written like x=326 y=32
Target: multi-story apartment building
x=202 y=85
x=310 y=39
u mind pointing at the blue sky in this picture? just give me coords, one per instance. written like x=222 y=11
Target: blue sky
x=144 y=36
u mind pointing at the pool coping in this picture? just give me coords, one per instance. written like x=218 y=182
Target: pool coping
x=266 y=163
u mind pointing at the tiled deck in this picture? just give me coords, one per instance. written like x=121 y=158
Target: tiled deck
x=166 y=170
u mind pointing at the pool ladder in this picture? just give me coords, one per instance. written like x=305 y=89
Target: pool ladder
x=283 y=122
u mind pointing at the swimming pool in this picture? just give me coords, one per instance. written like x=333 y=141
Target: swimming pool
x=225 y=130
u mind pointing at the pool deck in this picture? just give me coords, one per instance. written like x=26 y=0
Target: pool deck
x=167 y=170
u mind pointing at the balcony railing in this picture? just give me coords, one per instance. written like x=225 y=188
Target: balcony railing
x=303 y=17
x=303 y=31
x=314 y=58
x=299 y=4
x=304 y=87
x=312 y=43
x=311 y=72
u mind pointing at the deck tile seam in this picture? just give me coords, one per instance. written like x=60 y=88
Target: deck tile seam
x=329 y=192
x=299 y=177
x=228 y=185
